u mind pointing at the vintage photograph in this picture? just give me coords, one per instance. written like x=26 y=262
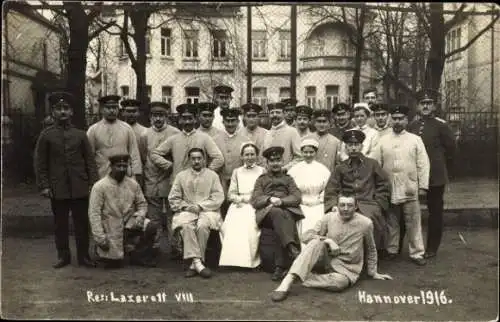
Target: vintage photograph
x=306 y=161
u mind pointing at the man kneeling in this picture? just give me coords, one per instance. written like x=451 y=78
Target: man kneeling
x=334 y=246
x=196 y=197
x=117 y=215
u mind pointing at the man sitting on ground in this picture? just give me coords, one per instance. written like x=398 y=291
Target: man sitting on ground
x=335 y=250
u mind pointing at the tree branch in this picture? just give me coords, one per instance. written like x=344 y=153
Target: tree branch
x=101 y=28
x=125 y=40
x=422 y=16
x=479 y=34
x=459 y=15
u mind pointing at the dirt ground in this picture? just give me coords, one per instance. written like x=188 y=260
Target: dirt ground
x=466 y=270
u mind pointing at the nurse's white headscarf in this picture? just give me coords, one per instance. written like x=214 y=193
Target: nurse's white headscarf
x=309 y=142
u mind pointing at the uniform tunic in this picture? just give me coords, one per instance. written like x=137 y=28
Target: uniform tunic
x=328 y=150
x=64 y=162
x=113 y=206
x=176 y=148
x=287 y=137
x=302 y=135
x=230 y=146
x=440 y=145
x=212 y=131
x=338 y=131
x=370 y=184
x=138 y=130
x=113 y=138
x=403 y=157
x=156 y=180
x=343 y=270
x=196 y=188
x=280 y=186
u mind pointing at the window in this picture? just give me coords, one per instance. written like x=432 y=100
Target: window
x=166 y=42
x=219 y=44
x=453 y=40
x=166 y=94
x=317 y=47
x=284 y=93
x=311 y=96
x=192 y=95
x=125 y=91
x=148 y=92
x=148 y=42
x=121 y=48
x=191 y=43
x=458 y=92
x=285 y=44
x=332 y=95
x=348 y=48
x=259 y=96
x=259 y=44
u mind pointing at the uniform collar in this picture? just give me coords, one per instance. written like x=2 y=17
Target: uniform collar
x=361 y=159
x=279 y=126
x=190 y=133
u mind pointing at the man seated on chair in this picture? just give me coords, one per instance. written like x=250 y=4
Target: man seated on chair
x=335 y=250
x=276 y=199
x=117 y=215
x=195 y=198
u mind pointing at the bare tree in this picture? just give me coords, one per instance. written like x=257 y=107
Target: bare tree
x=79 y=23
x=431 y=17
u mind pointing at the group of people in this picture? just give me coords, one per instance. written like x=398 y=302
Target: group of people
x=330 y=187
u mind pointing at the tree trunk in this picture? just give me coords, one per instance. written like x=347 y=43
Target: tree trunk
x=435 y=62
x=77 y=60
x=357 y=69
x=139 y=21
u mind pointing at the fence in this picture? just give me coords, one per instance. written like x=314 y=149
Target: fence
x=477 y=143
x=266 y=52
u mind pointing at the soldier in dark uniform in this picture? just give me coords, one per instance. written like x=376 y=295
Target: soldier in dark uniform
x=363 y=177
x=440 y=146
x=276 y=200
x=342 y=120
x=66 y=171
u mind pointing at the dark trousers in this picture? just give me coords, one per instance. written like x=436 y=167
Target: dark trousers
x=79 y=212
x=435 y=204
x=283 y=224
x=143 y=242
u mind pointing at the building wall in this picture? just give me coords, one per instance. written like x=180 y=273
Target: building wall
x=272 y=72
x=474 y=65
x=33 y=46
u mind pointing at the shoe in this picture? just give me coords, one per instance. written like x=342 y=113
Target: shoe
x=294 y=251
x=430 y=254
x=61 y=263
x=86 y=262
x=278 y=274
x=190 y=273
x=205 y=273
x=419 y=261
x=391 y=256
x=278 y=296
